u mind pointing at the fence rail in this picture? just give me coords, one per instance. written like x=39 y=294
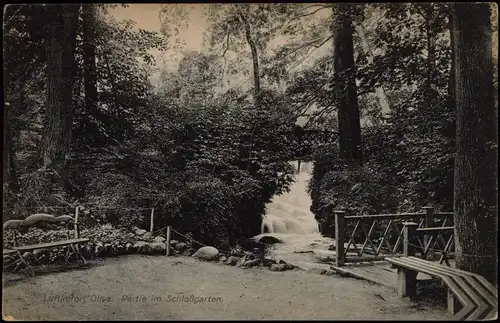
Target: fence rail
x=380 y=235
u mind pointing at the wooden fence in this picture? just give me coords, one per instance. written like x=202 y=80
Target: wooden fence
x=374 y=237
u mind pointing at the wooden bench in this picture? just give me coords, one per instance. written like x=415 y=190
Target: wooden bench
x=470 y=296
x=72 y=251
x=477 y=297
x=15 y=253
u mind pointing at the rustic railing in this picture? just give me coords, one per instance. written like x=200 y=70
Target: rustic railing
x=357 y=238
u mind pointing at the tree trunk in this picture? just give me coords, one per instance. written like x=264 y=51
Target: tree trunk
x=60 y=40
x=9 y=169
x=475 y=188
x=89 y=57
x=255 y=55
x=430 y=81
x=345 y=84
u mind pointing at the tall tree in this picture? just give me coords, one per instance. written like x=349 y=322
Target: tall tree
x=60 y=40
x=345 y=83
x=89 y=15
x=475 y=191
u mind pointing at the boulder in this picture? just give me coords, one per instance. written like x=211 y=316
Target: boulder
x=281 y=267
x=158 y=248
x=277 y=267
x=139 y=246
x=173 y=243
x=159 y=239
x=269 y=240
x=241 y=261
x=233 y=260
x=206 y=253
x=237 y=253
x=268 y=262
x=147 y=236
x=251 y=244
x=128 y=247
x=140 y=232
x=222 y=259
x=251 y=263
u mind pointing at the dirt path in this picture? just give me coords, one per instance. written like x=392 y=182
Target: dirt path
x=143 y=288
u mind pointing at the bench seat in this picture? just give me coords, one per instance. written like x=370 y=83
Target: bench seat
x=479 y=299
x=17 y=252
x=50 y=244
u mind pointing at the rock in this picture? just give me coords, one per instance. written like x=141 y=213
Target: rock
x=250 y=244
x=206 y=253
x=173 y=243
x=251 y=263
x=128 y=247
x=147 y=236
x=222 y=259
x=269 y=240
x=249 y=255
x=140 y=232
x=313 y=244
x=140 y=246
x=281 y=267
x=158 y=248
x=241 y=261
x=237 y=253
x=282 y=262
x=159 y=239
x=331 y=247
x=233 y=260
x=187 y=252
x=277 y=267
x=267 y=262
x=180 y=246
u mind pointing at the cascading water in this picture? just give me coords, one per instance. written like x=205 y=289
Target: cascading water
x=288 y=218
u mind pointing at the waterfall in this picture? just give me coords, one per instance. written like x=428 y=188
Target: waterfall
x=288 y=218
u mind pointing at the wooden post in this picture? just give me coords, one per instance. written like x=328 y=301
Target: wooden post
x=407 y=279
x=168 y=241
x=77 y=234
x=152 y=221
x=339 y=238
x=453 y=304
x=409 y=230
x=429 y=223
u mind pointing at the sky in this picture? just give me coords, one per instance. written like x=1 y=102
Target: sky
x=147 y=16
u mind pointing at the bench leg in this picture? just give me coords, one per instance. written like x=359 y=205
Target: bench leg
x=407 y=282
x=75 y=250
x=20 y=261
x=453 y=304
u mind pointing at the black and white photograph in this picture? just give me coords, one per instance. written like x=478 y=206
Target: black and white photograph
x=250 y=161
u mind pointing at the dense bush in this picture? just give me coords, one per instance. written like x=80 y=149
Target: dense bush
x=407 y=164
